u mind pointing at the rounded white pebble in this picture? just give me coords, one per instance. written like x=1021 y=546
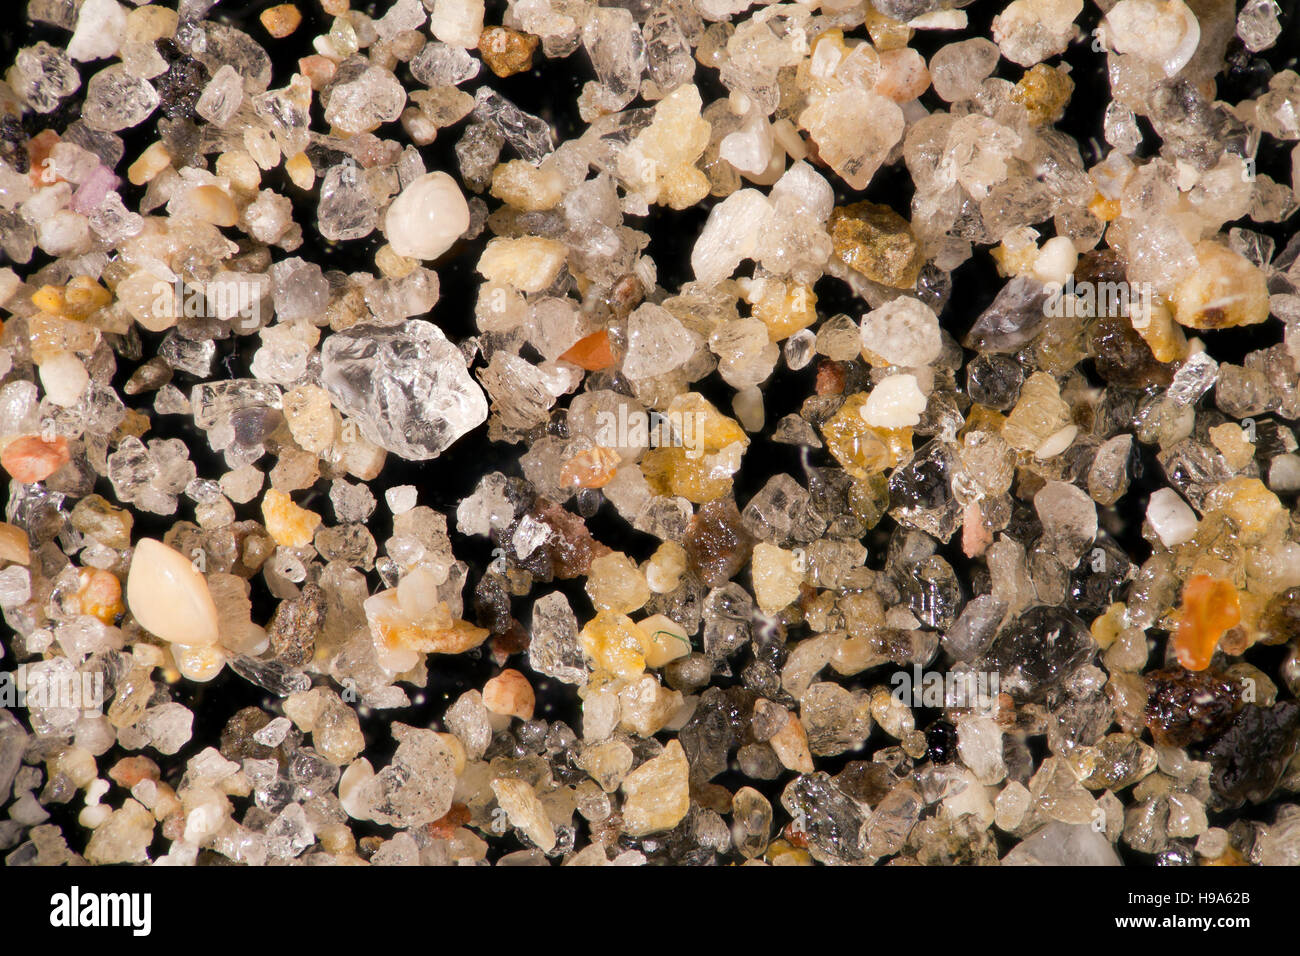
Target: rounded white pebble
x=94 y=815
x=1172 y=519
x=1055 y=262
x=427 y=218
x=97 y=789
x=169 y=597
x=896 y=402
x=1056 y=442
x=64 y=379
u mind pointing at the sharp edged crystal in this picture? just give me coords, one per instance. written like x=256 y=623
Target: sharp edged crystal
x=407 y=387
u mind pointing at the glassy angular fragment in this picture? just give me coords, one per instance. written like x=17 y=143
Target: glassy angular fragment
x=406 y=387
